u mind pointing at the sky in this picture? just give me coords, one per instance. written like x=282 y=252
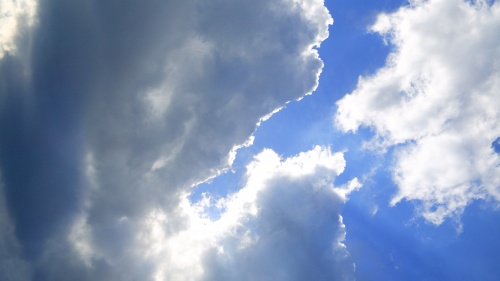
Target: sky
x=249 y=140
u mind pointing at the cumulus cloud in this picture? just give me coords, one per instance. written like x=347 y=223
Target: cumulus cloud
x=284 y=224
x=437 y=101
x=111 y=111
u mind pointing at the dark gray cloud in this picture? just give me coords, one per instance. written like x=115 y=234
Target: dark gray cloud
x=12 y=264
x=112 y=110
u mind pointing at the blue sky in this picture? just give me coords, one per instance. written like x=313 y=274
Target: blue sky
x=249 y=140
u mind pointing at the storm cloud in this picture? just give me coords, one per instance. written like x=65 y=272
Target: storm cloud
x=111 y=111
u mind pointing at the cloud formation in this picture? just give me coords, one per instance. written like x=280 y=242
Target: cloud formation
x=437 y=101
x=284 y=224
x=111 y=111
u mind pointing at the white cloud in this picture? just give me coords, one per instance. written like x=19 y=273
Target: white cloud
x=13 y=16
x=284 y=224
x=127 y=105
x=438 y=99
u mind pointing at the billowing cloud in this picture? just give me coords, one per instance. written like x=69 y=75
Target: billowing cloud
x=111 y=111
x=437 y=100
x=284 y=224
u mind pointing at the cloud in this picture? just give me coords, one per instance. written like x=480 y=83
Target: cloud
x=15 y=16
x=12 y=265
x=436 y=101
x=111 y=111
x=284 y=224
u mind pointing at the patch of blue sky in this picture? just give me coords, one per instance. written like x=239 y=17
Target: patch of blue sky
x=393 y=245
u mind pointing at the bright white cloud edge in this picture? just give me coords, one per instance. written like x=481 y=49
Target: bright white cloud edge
x=284 y=224
x=13 y=15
